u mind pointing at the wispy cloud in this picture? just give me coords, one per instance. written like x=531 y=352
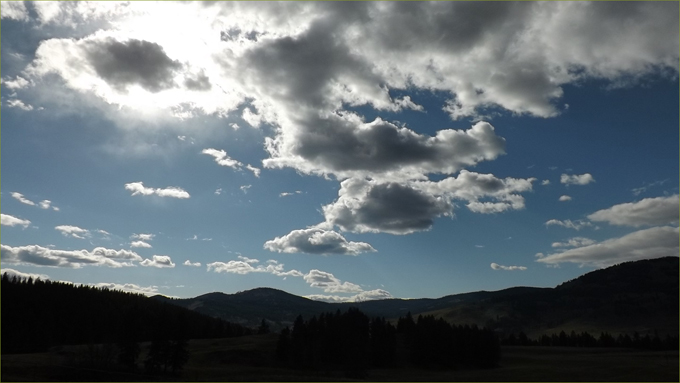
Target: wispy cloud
x=138 y=188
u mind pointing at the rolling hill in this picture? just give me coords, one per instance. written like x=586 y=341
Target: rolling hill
x=634 y=296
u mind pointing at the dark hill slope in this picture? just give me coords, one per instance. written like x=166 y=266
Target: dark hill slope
x=637 y=296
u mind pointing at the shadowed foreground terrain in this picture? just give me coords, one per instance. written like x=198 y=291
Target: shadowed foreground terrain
x=251 y=358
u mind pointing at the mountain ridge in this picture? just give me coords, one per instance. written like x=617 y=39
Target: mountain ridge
x=639 y=296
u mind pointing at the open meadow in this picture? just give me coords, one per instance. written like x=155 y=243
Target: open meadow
x=252 y=358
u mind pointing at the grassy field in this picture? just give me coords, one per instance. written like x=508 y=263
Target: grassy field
x=252 y=359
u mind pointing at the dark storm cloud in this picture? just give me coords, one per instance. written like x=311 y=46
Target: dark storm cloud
x=132 y=62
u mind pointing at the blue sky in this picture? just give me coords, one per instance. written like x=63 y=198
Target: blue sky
x=340 y=151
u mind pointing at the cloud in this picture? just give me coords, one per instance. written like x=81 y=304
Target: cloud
x=583 y=179
x=645 y=186
x=316 y=241
x=194 y=264
x=13 y=10
x=143 y=237
x=8 y=220
x=248 y=260
x=406 y=207
x=171 y=191
x=160 y=261
x=574 y=242
x=12 y=273
x=45 y=204
x=329 y=283
x=361 y=297
x=222 y=158
x=244 y=188
x=649 y=211
x=131 y=62
x=245 y=266
x=20 y=197
x=286 y=194
x=496 y=266
x=565 y=198
x=545 y=182
x=42 y=256
x=576 y=225
x=140 y=244
x=218 y=191
x=72 y=231
x=14 y=103
x=345 y=146
x=655 y=242
x=127 y=287
x=256 y=171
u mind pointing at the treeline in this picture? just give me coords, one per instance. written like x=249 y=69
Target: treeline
x=353 y=342
x=37 y=315
x=585 y=339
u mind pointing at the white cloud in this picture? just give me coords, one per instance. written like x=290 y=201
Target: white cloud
x=574 y=242
x=171 y=191
x=253 y=169
x=14 y=103
x=496 y=266
x=42 y=256
x=576 y=225
x=565 y=198
x=143 y=237
x=244 y=188
x=248 y=260
x=9 y=220
x=329 y=283
x=194 y=264
x=645 y=186
x=649 y=211
x=583 y=179
x=222 y=158
x=127 y=287
x=316 y=241
x=361 y=297
x=545 y=182
x=140 y=244
x=18 y=83
x=72 y=231
x=218 y=191
x=13 y=10
x=246 y=267
x=286 y=194
x=160 y=261
x=655 y=242
x=22 y=275
x=20 y=197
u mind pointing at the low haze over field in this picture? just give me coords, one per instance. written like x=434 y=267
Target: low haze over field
x=340 y=151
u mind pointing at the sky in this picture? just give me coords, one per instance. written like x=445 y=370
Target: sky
x=338 y=151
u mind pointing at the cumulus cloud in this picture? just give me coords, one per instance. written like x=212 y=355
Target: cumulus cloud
x=565 y=198
x=140 y=244
x=42 y=256
x=496 y=266
x=160 y=261
x=9 y=220
x=574 y=242
x=329 y=283
x=649 y=211
x=15 y=273
x=406 y=207
x=316 y=241
x=138 y=188
x=576 y=225
x=20 y=197
x=246 y=266
x=655 y=242
x=194 y=264
x=13 y=10
x=14 y=103
x=545 y=182
x=72 y=231
x=583 y=179
x=256 y=171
